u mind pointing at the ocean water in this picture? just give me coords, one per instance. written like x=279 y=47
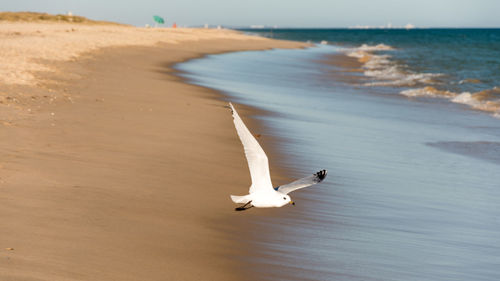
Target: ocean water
x=413 y=189
x=459 y=65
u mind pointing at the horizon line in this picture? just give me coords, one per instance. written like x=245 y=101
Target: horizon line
x=361 y=28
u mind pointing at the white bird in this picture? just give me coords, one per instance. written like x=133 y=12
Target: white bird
x=262 y=194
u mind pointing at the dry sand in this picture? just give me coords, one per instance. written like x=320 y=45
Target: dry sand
x=25 y=46
x=113 y=168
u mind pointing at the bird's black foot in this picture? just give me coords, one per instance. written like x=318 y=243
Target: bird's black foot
x=244 y=207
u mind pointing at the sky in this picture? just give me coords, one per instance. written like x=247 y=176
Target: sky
x=281 y=13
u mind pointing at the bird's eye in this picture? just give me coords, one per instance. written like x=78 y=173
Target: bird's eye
x=284 y=198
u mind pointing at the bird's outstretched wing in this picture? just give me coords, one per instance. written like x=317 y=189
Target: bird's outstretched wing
x=256 y=157
x=301 y=183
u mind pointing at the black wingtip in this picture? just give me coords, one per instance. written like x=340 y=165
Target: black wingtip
x=321 y=175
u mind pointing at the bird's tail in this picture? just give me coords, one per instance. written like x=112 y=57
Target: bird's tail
x=240 y=199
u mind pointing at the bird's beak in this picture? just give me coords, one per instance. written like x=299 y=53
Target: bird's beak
x=293 y=203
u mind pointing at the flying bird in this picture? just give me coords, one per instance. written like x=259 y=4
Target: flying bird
x=262 y=194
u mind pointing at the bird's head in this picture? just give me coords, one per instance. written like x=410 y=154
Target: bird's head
x=286 y=200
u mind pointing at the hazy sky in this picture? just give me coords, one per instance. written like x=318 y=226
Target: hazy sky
x=283 y=13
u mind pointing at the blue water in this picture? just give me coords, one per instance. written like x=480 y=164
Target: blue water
x=462 y=61
x=458 y=53
x=413 y=188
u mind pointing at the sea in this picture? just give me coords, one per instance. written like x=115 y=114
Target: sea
x=407 y=123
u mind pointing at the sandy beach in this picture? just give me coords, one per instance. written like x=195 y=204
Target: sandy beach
x=112 y=167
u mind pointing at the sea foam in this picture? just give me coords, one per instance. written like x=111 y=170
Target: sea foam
x=486 y=100
x=384 y=70
x=428 y=91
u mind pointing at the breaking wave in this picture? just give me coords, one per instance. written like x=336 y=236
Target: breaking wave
x=378 y=64
x=384 y=70
x=428 y=91
x=486 y=100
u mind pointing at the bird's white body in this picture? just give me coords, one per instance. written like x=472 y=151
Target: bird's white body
x=262 y=194
x=264 y=199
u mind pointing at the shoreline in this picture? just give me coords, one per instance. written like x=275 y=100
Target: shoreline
x=344 y=227
x=112 y=182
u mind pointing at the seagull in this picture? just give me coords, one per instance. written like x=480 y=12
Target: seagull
x=262 y=194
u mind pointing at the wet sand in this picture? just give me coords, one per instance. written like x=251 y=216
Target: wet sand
x=485 y=150
x=113 y=168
